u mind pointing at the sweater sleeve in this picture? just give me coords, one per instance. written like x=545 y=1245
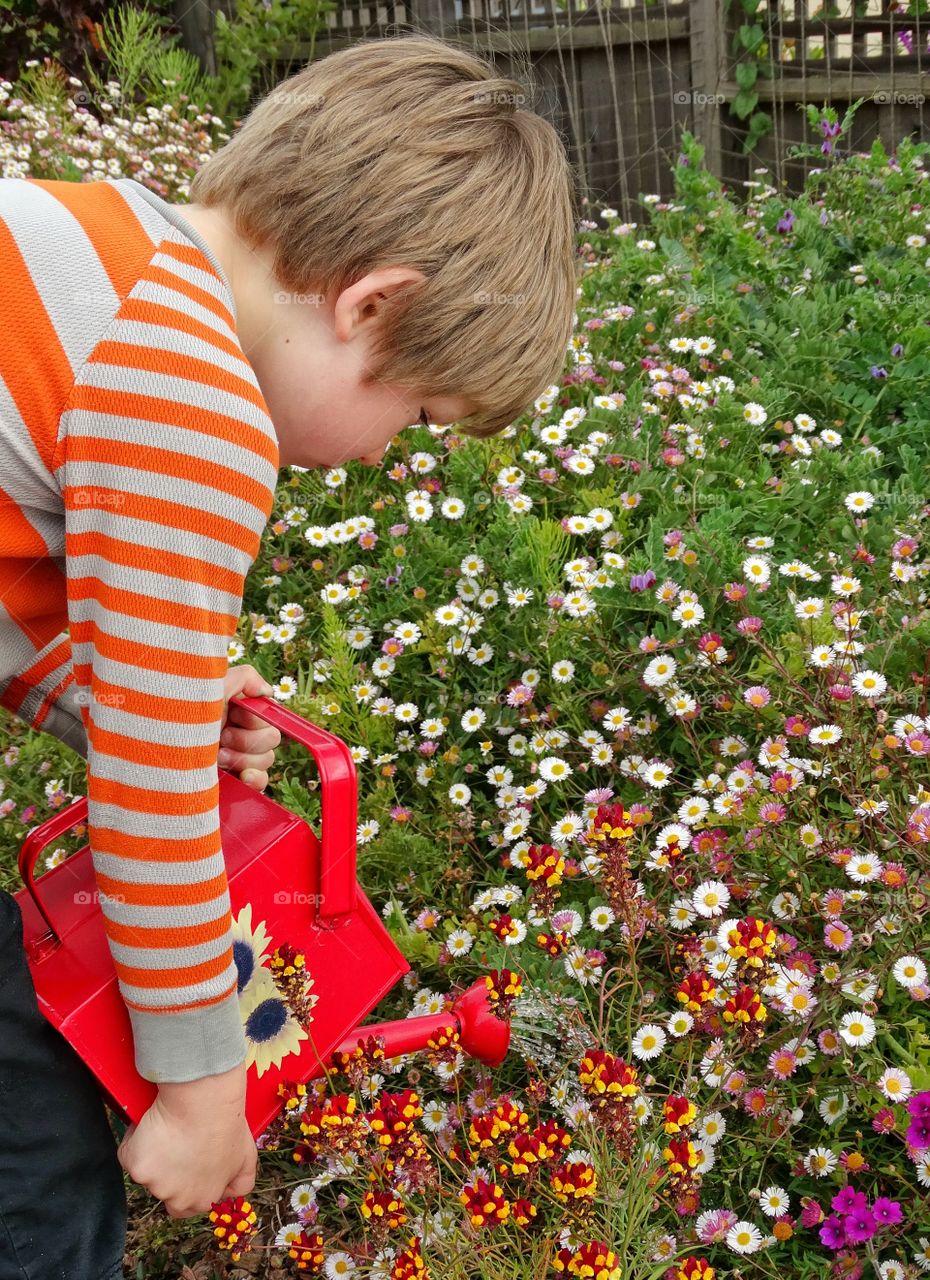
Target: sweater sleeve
x=167 y=462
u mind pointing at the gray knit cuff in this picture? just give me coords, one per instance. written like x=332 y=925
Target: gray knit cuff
x=175 y=1048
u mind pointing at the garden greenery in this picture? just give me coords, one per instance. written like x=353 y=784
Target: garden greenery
x=638 y=698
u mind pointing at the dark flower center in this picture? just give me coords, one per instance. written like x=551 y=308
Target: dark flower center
x=244 y=957
x=266 y=1020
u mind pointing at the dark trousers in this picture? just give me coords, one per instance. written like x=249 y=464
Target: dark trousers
x=62 y=1196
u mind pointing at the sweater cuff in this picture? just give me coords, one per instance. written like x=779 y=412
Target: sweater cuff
x=175 y=1048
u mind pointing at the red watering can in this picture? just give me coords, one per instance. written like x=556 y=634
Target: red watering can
x=285 y=887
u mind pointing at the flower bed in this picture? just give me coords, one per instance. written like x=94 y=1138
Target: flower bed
x=638 y=696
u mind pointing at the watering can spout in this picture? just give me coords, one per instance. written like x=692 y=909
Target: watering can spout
x=482 y=1034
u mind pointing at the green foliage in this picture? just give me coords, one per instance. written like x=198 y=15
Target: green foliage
x=248 y=44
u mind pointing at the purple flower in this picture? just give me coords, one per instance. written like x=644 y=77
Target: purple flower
x=878 y=372
x=642 y=581
x=919 y=1105
x=897 y=349
x=848 y=1201
x=823 y=218
x=918 y=1133
x=786 y=221
x=833 y=1233
x=887 y=1213
x=860 y=1226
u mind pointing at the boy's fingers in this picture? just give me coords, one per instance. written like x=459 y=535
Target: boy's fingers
x=253 y=741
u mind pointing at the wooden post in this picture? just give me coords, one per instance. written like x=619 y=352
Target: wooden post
x=195 y=19
x=708 y=32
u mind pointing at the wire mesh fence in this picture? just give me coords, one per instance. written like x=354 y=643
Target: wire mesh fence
x=621 y=79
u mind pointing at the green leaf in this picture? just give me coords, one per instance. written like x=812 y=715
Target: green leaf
x=744 y=103
x=676 y=253
x=747 y=73
x=750 y=37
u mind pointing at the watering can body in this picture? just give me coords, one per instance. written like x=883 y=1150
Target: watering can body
x=286 y=886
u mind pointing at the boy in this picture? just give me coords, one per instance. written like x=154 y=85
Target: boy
x=388 y=238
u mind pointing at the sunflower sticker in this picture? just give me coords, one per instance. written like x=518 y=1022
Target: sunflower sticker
x=275 y=1002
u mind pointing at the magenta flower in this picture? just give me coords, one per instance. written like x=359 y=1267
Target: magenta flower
x=848 y=1200
x=750 y=626
x=811 y=1212
x=883 y=1121
x=887 y=1213
x=860 y=1226
x=833 y=1233
x=918 y=1133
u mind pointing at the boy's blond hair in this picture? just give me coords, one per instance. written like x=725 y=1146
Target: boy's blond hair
x=410 y=151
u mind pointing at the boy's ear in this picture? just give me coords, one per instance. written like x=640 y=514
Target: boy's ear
x=361 y=303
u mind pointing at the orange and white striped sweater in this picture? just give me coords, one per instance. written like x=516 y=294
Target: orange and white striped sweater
x=138 y=464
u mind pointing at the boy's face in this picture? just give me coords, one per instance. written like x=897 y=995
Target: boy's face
x=309 y=354
x=311 y=365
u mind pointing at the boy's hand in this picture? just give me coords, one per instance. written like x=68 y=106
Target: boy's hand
x=193 y=1146
x=247 y=743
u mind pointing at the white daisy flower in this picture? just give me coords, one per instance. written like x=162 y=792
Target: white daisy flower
x=774 y=1202
x=680 y=1023
x=863 y=867
x=459 y=794
x=869 y=684
x=601 y=918
x=459 y=942
x=743 y=1237
x=859 y=502
x=895 y=1084
x=857 y=1028
x=710 y=898
x=713 y=1126
x=554 y=769
x=910 y=972
x=659 y=671
x=648 y=1042
x=757 y=569
x=338 y=1265
x=820 y=1162
x=616 y=718
x=825 y=734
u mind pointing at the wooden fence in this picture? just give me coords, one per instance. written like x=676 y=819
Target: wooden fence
x=621 y=79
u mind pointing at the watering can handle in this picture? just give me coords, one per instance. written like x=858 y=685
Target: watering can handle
x=337 y=775
x=340 y=805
